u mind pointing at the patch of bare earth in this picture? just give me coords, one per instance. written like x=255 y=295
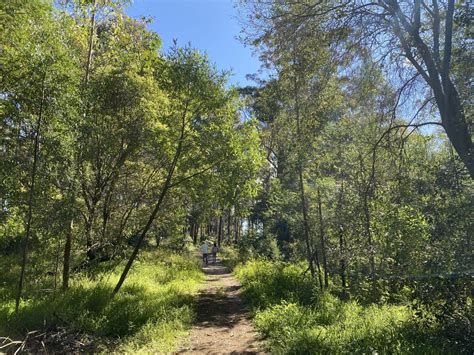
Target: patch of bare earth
x=223 y=323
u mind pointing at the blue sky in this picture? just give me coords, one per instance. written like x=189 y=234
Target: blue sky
x=209 y=25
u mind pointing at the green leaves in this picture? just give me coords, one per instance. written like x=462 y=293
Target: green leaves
x=114 y=110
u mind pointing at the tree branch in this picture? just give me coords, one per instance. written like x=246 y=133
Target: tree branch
x=195 y=174
x=448 y=37
x=436 y=30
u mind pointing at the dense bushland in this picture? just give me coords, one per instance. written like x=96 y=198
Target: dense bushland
x=349 y=165
x=106 y=142
x=297 y=317
x=152 y=313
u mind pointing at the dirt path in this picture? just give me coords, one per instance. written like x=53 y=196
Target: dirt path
x=222 y=324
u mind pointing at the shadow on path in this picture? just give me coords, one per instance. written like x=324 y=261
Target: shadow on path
x=222 y=322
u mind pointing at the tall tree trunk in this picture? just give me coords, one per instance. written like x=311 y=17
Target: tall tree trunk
x=342 y=249
x=322 y=238
x=236 y=229
x=304 y=208
x=239 y=228
x=67 y=255
x=229 y=221
x=106 y=208
x=368 y=233
x=91 y=42
x=437 y=75
x=365 y=191
x=457 y=129
x=221 y=227
x=31 y=196
x=56 y=266
x=89 y=223
x=196 y=232
x=310 y=254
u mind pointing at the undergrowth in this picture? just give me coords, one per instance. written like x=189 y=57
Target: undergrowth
x=297 y=318
x=151 y=312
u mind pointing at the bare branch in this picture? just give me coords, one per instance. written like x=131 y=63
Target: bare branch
x=436 y=30
x=448 y=37
x=408 y=53
x=415 y=125
x=416 y=16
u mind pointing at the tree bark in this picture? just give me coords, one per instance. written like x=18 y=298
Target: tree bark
x=236 y=229
x=219 y=234
x=91 y=42
x=322 y=239
x=196 y=232
x=370 y=243
x=67 y=255
x=31 y=196
x=311 y=255
x=437 y=76
x=239 y=228
x=342 y=249
x=229 y=221
x=306 y=230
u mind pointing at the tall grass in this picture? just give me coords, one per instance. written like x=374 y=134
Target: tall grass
x=297 y=318
x=150 y=313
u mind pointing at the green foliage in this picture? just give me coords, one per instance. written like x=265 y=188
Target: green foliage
x=253 y=245
x=114 y=113
x=318 y=160
x=296 y=318
x=155 y=307
x=267 y=283
x=446 y=302
x=229 y=256
x=333 y=327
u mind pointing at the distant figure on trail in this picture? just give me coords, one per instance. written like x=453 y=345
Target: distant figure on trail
x=214 y=252
x=204 y=251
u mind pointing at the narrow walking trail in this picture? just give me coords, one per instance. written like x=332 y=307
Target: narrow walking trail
x=223 y=324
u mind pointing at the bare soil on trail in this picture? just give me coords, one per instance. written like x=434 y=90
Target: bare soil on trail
x=223 y=324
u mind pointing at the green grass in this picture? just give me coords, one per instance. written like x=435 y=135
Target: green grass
x=296 y=318
x=152 y=312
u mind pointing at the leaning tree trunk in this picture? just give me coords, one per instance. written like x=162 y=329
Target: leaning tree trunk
x=229 y=221
x=370 y=242
x=31 y=196
x=437 y=73
x=456 y=127
x=322 y=239
x=67 y=255
x=342 y=248
x=164 y=190
x=219 y=234
x=311 y=255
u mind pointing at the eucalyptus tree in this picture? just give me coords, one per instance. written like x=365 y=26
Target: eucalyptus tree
x=306 y=85
x=417 y=38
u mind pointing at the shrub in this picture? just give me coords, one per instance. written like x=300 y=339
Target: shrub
x=267 y=283
x=297 y=318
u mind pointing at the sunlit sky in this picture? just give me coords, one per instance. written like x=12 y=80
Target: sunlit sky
x=208 y=25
